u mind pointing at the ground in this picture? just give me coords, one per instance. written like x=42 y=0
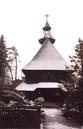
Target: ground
x=54 y=120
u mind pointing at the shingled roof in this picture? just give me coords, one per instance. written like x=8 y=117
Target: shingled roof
x=47 y=58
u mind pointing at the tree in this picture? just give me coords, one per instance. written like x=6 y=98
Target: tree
x=3 y=58
x=13 y=61
x=77 y=62
x=74 y=103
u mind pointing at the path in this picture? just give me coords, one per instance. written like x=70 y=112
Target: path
x=54 y=120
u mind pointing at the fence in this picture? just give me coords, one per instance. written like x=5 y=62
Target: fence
x=20 y=118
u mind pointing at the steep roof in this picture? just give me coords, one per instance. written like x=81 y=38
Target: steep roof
x=47 y=58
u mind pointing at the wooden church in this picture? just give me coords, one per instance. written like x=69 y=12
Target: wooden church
x=44 y=72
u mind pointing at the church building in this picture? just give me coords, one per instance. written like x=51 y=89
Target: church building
x=45 y=71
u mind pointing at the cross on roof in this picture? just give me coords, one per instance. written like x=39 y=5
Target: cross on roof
x=47 y=17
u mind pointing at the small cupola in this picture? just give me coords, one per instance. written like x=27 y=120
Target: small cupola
x=47 y=33
x=47 y=27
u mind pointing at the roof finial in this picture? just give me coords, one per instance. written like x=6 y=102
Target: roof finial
x=47 y=26
x=47 y=32
x=47 y=17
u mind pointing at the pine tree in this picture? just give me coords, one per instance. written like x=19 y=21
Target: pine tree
x=75 y=97
x=3 y=57
x=77 y=62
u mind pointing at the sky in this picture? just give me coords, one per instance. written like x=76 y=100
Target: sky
x=21 y=23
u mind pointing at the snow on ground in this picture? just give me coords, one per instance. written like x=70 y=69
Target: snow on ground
x=54 y=120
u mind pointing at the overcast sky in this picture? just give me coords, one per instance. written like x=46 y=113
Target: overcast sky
x=21 y=23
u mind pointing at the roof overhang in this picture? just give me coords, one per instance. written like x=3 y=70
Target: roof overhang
x=32 y=87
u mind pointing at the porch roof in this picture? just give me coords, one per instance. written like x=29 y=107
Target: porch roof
x=32 y=87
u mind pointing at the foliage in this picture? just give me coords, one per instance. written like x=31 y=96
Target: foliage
x=74 y=102
x=77 y=60
x=39 y=101
x=11 y=98
x=2 y=104
x=74 y=77
x=69 y=85
x=13 y=60
x=3 y=57
x=72 y=111
x=8 y=62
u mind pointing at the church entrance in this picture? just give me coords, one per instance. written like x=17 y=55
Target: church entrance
x=50 y=94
